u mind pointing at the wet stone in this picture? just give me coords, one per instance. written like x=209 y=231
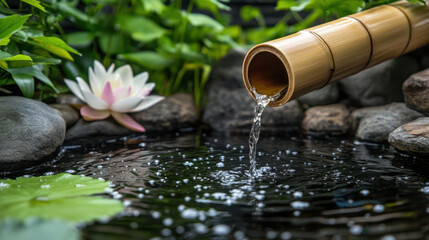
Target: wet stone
x=324 y=96
x=380 y=84
x=69 y=114
x=331 y=119
x=108 y=127
x=176 y=112
x=416 y=91
x=374 y=124
x=412 y=137
x=30 y=131
x=71 y=100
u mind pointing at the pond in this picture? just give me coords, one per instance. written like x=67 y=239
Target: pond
x=198 y=186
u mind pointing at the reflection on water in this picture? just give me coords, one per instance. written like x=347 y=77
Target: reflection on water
x=198 y=187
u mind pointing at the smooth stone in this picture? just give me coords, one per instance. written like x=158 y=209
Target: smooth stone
x=374 y=124
x=108 y=127
x=412 y=137
x=30 y=131
x=69 y=114
x=232 y=111
x=380 y=84
x=330 y=119
x=416 y=91
x=329 y=94
x=175 y=113
x=70 y=99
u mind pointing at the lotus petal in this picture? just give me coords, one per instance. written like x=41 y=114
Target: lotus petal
x=146 y=89
x=99 y=69
x=126 y=74
x=139 y=82
x=111 y=68
x=128 y=122
x=75 y=89
x=126 y=104
x=107 y=94
x=90 y=114
x=96 y=83
x=147 y=102
x=120 y=93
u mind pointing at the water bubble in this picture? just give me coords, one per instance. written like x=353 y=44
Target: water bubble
x=425 y=190
x=165 y=232
x=297 y=194
x=99 y=167
x=167 y=222
x=296 y=213
x=285 y=236
x=80 y=185
x=221 y=230
x=4 y=185
x=379 y=208
x=155 y=214
x=45 y=186
x=356 y=229
x=299 y=205
x=364 y=192
x=388 y=237
x=71 y=171
x=181 y=207
x=220 y=165
x=271 y=235
x=201 y=228
x=180 y=229
x=190 y=213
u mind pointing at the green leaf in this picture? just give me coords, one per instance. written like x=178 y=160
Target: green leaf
x=33 y=71
x=141 y=28
x=38 y=229
x=201 y=20
x=149 y=59
x=248 y=13
x=212 y=5
x=81 y=39
x=35 y=4
x=112 y=43
x=5 y=56
x=4 y=3
x=9 y=25
x=63 y=196
x=153 y=5
x=55 y=46
x=25 y=83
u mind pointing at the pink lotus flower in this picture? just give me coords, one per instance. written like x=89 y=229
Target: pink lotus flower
x=114 y=93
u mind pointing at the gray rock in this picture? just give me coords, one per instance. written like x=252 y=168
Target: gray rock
x=331 y=119
x=327 y=95
x=71 y=100
x=374 y=124
x=176 y=112
x=232 y=111
x=69 y=114
x=227 y=73
x=412 y=137
x=108 y=127
x=416 y=91
x=381 y=84
x=30 y=131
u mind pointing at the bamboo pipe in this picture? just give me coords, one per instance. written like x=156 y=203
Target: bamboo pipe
x=310 y=59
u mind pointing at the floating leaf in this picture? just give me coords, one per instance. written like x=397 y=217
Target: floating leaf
x=35 y=4
x=149 y=59
x=9 y=25
x=63 y=196
x=34 y=228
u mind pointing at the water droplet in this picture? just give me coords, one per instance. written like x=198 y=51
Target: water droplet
x=4 y=185
x=201 y=228
x=190 y=213
x=167 y=222
x=379 y=208
x=45 y=186
x=221 y=230
x=285 y=236
x=364 y=192
x=299 y=205
x=356 y=229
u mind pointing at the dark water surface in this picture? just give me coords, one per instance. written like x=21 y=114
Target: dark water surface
x=191 y=186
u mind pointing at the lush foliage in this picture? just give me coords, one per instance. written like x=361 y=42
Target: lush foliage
x=63 y=196
x=27 y=49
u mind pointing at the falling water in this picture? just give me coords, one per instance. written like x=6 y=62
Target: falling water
x=261 y=102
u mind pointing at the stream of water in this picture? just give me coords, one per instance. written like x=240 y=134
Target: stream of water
x=261 y=102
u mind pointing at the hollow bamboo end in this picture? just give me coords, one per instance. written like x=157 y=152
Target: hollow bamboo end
x=266 y=71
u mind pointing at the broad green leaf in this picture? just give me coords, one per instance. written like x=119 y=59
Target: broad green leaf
x=171 y=16
x=33 y=71
x=63 y=196
x=248 y=13
x=149 y=59
x=212 y=5
x=112 y=43
x=9 y=25
x=75 y=13
x=35 y=3
x=25 y=83
x=55 y=46
x=201 y=20
x=80 y=39
x=38 y=229
x=5 y=56
x=153 y=5
x=141 y=28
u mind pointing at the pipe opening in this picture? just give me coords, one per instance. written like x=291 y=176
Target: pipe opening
x=267 y=74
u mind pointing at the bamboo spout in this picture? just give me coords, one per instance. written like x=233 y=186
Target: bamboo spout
x=310 y=59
